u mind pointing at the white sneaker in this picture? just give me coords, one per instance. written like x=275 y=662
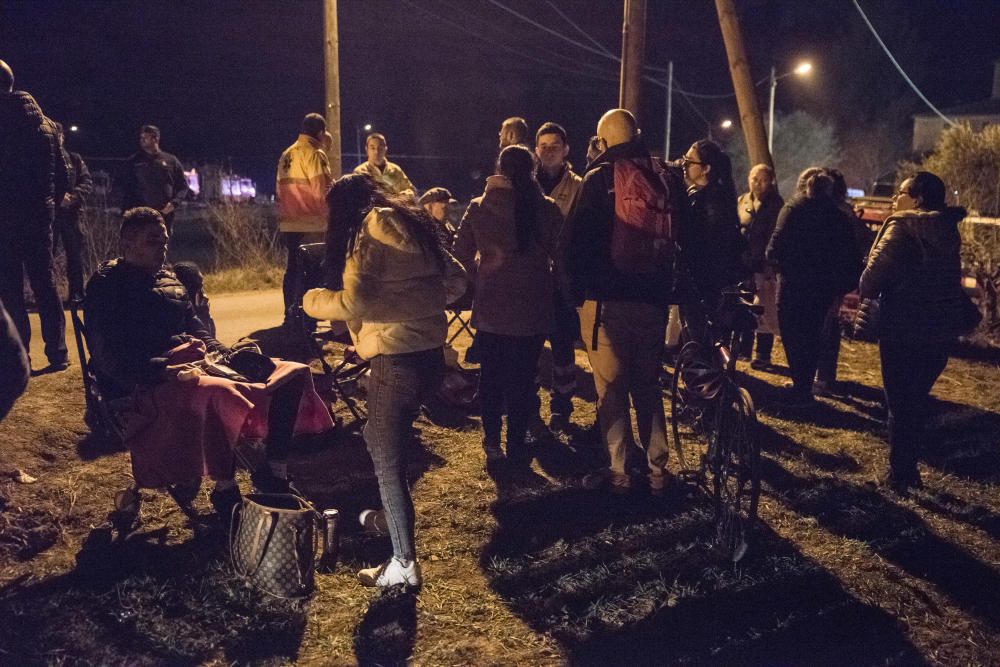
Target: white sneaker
x=394 y=572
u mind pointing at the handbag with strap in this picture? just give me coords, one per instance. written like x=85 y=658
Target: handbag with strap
x=273 y=543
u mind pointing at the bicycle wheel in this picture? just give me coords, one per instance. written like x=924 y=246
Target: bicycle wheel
x=690 y=394
x=734 y=459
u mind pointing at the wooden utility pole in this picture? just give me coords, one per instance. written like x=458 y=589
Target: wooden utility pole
x=633 y=55
x=332 y=62
x=746 y=96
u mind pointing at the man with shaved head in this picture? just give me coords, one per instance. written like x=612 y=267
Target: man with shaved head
x=622 y=277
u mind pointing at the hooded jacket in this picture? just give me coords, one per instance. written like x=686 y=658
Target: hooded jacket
x=132 y=319
x=31 y=164
x=394 y=295
x=915 y=268
x=586 y=268
x=513 y=289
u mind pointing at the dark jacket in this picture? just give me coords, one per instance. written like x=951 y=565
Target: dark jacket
x=814 y=251
x=80 y=184
x=757 y=226
x=133 y=318
x=712 y=245
x=914 y=267
x=13 y=364
x=585 y=264
x=31 y=165
x=513 y=288
x=153 y=180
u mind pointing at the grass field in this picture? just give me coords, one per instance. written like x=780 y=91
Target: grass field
x=529 y=568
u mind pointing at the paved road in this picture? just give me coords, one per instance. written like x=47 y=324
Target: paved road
x=235 y=315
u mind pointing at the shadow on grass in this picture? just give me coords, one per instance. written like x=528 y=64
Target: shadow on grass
x=894 y=532
x=147 y=603
x=388 y=631
x=767 y=398
x=963 y=441
x=782 y=445
x=634 y=580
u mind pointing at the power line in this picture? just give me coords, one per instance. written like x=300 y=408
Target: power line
x=899 y=68
x=581 y=30
x=555 y=33
x=505 y=47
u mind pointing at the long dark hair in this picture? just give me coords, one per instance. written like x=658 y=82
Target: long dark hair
x=518 y=164
x=721 y=175
x=350 y=199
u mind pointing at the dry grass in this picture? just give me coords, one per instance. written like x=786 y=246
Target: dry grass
x=529 y=568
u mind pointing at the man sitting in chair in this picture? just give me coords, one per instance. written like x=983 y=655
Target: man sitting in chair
x=182 y=424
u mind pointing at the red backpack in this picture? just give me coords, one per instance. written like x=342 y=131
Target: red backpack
x=643 y=234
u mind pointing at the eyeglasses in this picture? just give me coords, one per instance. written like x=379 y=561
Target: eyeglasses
x=685 y=161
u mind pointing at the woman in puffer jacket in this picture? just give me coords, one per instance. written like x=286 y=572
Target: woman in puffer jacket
x=397 y=281
x=513 y=227
x=915 y=270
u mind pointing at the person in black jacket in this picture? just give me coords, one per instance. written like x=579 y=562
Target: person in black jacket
x=32 y=172
x=711 y=245
x=69 y=216
x=915 y=269
x=136 y=311
x=14 y=368
x=624 y=306
x=815 y=255
x=153 y=178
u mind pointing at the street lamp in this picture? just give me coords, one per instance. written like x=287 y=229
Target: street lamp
x=74 y=128
x=726 y=124
x=802 y=69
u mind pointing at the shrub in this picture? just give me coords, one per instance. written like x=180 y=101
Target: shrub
x=969 y=163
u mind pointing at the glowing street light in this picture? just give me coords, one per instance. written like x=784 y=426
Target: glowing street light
x=74 y=128
x=367 y=127
x=726 y=124
x=802 y=69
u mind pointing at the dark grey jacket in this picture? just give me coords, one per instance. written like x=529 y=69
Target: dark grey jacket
x=915 y=268
x=13 y=364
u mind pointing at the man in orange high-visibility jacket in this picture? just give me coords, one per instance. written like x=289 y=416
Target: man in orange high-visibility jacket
x=304 y=177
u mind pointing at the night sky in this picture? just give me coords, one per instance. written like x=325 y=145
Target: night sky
x=229 y=80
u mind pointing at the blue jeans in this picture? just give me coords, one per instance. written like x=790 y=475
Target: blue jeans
x=399 y=383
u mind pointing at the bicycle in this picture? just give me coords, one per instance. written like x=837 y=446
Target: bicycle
x=708 y=406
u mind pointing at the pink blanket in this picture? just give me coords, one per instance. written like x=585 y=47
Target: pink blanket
x=183 y=430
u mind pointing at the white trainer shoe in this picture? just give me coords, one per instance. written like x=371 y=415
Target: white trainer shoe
x=394 y=572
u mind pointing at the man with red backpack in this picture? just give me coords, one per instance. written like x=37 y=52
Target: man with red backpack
x=617 y=252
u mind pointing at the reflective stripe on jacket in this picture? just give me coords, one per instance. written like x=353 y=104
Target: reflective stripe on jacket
x=304 y=176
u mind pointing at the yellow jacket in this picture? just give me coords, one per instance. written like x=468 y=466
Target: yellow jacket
x=304 y=176
x=391 y=177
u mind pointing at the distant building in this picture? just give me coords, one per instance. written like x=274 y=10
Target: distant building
x=927 y=127
x=219 y=184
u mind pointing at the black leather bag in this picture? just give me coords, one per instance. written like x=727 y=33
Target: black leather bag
x=252 y=365
x=866 y=320
x=273 y=543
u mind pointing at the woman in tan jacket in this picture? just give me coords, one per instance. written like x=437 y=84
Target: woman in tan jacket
x=512 y=229
x=397 y=281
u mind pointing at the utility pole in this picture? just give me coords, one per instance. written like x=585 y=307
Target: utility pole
x=633 y=55
x=332 y=62
x=670 y=107
x=746 y=97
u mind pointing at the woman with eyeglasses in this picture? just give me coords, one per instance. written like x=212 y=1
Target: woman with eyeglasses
x=711 y=244
x=915 y=271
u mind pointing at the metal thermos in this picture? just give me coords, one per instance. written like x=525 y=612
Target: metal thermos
x=331 y=541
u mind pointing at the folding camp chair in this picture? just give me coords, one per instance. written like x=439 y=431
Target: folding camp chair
x=106 y=418
x=463 y=325
x=340 y=380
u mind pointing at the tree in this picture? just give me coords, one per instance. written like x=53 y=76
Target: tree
x=969 y=163
x=800 y=141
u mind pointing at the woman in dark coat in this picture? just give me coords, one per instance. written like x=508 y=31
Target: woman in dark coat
x=814 y=253
x=914 y=269
x=711 y=243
